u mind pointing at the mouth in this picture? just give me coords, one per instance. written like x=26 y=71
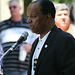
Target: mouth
x=63 y=22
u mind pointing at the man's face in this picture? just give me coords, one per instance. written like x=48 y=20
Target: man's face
x=62 y=19
x=36 y=20
x=14 y=8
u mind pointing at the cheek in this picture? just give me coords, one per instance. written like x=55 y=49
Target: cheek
x=42 y=21
x=68 y=19
x=37 y=23
x=35 y=20
x=57 y=20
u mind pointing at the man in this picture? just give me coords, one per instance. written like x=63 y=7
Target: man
x=62 y=19
x=53 y=53
x=10 y=31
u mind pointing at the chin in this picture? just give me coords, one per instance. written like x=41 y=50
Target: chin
x=35 y=32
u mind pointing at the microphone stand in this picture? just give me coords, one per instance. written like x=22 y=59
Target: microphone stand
x=20 y=40
x=9 y=50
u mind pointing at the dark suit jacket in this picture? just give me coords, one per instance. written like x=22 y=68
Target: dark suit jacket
x=59 y=56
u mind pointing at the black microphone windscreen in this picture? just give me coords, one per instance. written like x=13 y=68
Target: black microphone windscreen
x=23 y=37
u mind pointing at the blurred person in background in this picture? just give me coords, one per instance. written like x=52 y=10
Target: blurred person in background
x=62 y=18
x=10 y=30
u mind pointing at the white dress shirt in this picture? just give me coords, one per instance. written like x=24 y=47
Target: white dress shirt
x=38 y=50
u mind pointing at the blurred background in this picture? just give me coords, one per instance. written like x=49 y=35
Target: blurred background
x=5 y=14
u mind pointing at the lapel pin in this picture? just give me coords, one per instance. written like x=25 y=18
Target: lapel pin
x=46 y=46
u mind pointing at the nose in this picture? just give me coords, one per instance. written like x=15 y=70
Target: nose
x=29 y=20
x=63 y=16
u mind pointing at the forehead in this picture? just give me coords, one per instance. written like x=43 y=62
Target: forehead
x=14 y=3
x=62 y=12
x=33 y=8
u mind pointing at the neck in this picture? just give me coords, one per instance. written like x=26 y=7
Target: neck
x=16 y=18
x=69 y=29
x=49 y=28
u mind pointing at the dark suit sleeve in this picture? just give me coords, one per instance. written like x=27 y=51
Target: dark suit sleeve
x=68 y=58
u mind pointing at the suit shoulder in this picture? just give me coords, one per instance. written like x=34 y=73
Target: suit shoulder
x=60 y=33
x=65 y=36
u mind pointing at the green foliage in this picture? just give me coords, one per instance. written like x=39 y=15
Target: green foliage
x=62 y=1
x=26 y=3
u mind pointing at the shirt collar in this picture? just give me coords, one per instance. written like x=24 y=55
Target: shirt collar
x=44 y=36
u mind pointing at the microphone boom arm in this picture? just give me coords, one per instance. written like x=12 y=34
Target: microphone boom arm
x=20 y=40
x=9 y=50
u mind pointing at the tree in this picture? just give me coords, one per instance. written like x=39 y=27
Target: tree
x=62 y=1
x=26 y=3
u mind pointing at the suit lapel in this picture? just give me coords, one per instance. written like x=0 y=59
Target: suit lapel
x=34 y=46
x=32 y=52
x=46 y=47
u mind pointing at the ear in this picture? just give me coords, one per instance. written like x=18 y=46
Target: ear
x=48 y=17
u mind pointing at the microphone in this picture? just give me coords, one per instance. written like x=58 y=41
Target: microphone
x=22 y=38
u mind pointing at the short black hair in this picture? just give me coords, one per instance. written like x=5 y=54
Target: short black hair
x=46 y=7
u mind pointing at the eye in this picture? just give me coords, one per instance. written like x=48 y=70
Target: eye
x=33 y=16
x=58 y=14
x=66 y=14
